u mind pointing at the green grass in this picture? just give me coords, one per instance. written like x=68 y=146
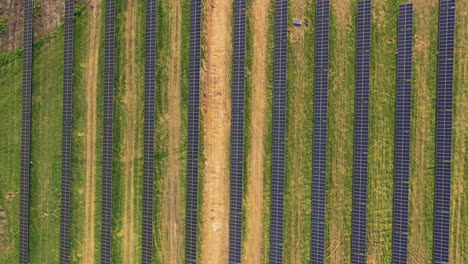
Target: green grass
x=46 y=152
x=382 y=131
x=10 y=143
x=459 y=215
x=268 y=138
x=340 y=131
x=299 y=137
x=161 y=129
x=120 y=132
x=422 y=165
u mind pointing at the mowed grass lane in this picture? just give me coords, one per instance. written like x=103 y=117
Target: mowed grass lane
x=11 y=70
x=299 y=133
x=128 y=127
x=46 y=151
x=459 y=209
x=384 y=35
x=340 y=131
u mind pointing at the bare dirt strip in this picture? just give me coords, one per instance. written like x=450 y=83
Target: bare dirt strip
x=172 y=197
x=459 y=211
x=340 y=133
x=255 y=161
x=422 y=152
x=91 y=126
x=129 y=230
x=216 y=111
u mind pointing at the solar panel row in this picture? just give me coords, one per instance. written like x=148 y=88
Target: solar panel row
x=237 y=133
x=279 y=131
x=402 y=137
x=67 y=133
x=361 y=133
x=191 y=224
x=148 y=148
x=109 y=51
x=444 y=130
x=26 y=132
x=322 y=23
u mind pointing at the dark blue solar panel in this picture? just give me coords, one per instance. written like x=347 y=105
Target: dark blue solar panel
x=109 y=56
x=279 y=131
x=26 y=132
x=402 y=137
x=444 y=131
x=193 y=133
x=320 y=132
x=237 y=133
x=67 y=133
x=148 y=148
x=361 y=133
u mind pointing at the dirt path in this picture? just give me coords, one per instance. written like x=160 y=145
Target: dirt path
x=340 y=137
x=129 y=230
x=172 y=202
x=216 y=110
x=91 y=119
x=254 y=202
x=423 y=137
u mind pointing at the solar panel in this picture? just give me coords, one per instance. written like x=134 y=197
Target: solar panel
x=109 y=51
x=237 y=133
x=317 y=250
x=444 y=131
x=67 y=133
x=361 y=133
x=279 y=131
x=191 y=225
x=402 y=137
x=148 y=148
x=26 y=132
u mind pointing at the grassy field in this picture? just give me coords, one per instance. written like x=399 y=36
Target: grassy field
x=10 y=143
x=459 y=215
x=128 y=130
x=382 y=130
x=46 y=151
x=340 y=131
x=299 y=134
x=47 y=126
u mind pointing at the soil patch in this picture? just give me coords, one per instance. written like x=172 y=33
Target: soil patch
x=254 y=199
x=129 y=241
x=216 y=110
x=91 y=126
x=172 y=198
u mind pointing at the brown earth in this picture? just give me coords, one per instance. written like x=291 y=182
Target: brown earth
x=216 y=110
x=91 y=126
x=48 y=15
x=341 y=112
x=129 y=229
x=254 y=198
x=172 y=197
x=12 y=38
x=419 y=251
